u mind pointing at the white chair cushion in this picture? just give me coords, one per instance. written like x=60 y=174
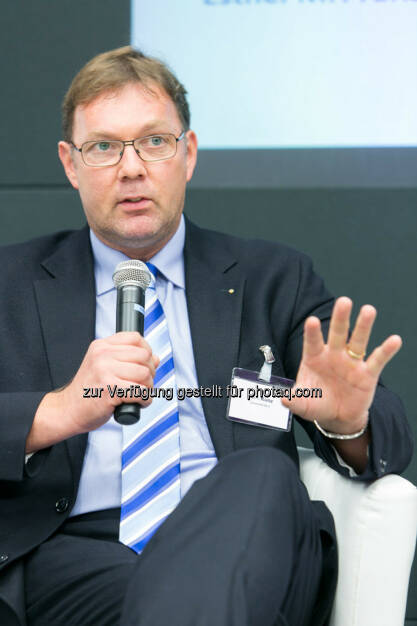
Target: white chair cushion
x=376 y=528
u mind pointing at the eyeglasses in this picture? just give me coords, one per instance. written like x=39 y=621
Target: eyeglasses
x=109 y=152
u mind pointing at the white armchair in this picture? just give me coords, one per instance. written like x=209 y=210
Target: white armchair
x=376 y=527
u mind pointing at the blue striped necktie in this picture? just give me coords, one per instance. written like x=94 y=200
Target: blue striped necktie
x=151 y=449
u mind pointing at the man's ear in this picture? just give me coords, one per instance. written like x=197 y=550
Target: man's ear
x=191 y=139
x=65 y=155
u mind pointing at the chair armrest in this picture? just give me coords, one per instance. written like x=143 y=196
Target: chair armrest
x=376 y=527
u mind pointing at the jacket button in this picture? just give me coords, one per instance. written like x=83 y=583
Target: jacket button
x=61 y=505
x=382 y=464
x=3 y=558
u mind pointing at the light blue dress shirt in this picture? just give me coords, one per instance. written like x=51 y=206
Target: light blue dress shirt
x=100 y=484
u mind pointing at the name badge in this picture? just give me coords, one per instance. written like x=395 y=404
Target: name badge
x=257 y=402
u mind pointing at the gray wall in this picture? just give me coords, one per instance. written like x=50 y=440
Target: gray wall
x=362 y=240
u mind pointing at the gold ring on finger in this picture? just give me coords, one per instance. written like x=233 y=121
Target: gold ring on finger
x=355 y=355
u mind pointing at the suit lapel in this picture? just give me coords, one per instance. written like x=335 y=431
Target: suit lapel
x=214 y=288
x=66 y=304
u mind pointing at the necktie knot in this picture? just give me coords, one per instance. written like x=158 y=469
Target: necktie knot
x=154 y=271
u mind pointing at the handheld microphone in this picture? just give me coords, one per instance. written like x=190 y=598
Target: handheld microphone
x=131 y=278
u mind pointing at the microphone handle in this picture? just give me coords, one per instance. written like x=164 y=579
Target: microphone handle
x=130 y=315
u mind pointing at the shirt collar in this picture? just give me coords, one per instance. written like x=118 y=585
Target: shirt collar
x=169 y=260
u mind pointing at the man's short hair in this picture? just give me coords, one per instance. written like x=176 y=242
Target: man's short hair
x=112 y=70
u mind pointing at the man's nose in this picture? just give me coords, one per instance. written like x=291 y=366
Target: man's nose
x=131 y=165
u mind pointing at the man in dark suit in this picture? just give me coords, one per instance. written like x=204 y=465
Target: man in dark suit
x=244 y=545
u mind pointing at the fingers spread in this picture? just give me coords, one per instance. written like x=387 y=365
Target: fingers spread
x=313 y=342
x=358 y=342
x=382 y=354
x=339 y=324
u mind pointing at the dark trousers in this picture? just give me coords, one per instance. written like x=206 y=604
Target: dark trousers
x=245 y=547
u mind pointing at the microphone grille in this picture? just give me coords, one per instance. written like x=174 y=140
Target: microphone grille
x=132 y=271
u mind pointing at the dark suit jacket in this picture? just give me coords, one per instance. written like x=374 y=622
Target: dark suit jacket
x=47 y=321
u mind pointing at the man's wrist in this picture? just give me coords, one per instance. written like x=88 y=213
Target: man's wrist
x=341 y=436
x=50 y=425
x=343 y=429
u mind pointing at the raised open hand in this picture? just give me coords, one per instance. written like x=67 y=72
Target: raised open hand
x=348 y=382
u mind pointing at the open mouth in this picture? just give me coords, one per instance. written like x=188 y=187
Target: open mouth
x=135 y=203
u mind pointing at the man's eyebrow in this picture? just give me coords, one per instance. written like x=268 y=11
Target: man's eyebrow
x=101 y=134
x=156 y=125
x=159 y=126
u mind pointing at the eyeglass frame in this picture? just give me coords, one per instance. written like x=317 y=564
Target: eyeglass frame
x=130 y=142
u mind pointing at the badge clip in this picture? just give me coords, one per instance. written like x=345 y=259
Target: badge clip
x=265 y=372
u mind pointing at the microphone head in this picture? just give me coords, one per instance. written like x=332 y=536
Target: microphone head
x=132 y=272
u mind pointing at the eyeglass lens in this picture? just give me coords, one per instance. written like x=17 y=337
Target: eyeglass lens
x=152 y=148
